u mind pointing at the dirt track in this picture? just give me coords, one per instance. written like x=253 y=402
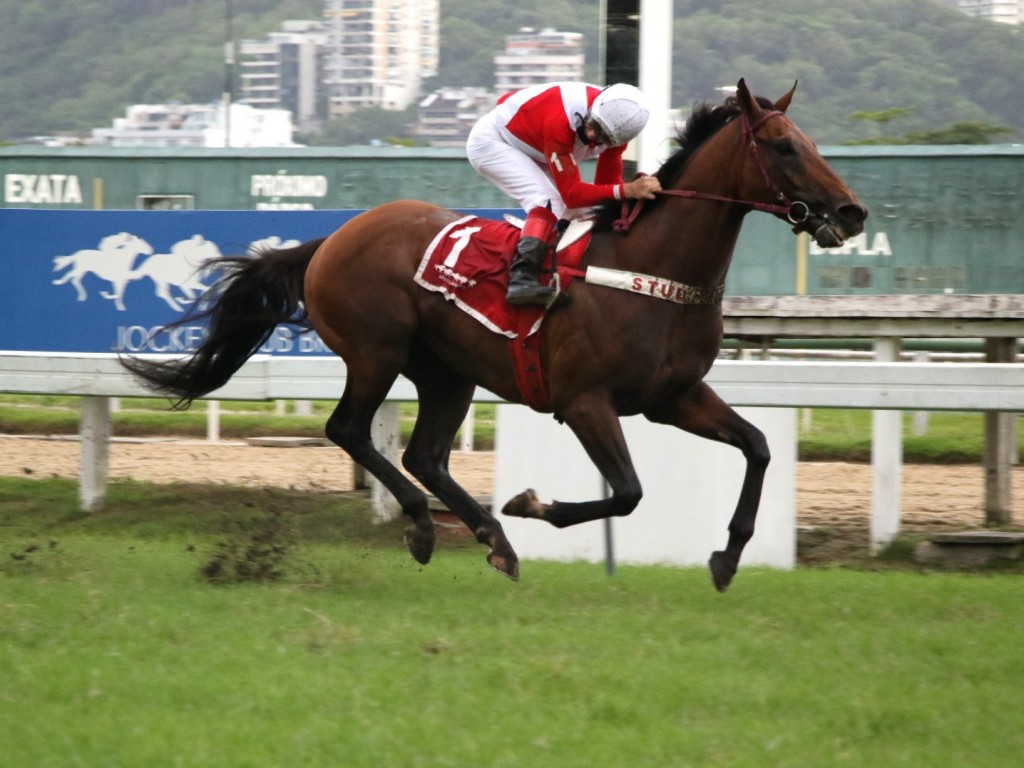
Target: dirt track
x=833 y=499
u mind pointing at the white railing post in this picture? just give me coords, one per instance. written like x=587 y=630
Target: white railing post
x=886 y=460
x=920 y=422
x=386 y=438
x=1000 y=445
x=94 y=431
x=213 y=421
x=466 y=437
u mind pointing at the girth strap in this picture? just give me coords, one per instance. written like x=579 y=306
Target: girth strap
x=525 y=351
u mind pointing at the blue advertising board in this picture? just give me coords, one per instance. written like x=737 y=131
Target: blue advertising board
x=107 y=281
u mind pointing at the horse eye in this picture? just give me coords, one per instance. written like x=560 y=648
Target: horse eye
x=785 y=148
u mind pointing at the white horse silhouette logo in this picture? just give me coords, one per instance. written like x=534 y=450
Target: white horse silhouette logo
x=112 y=261
x=182 y=268
x=177 y=276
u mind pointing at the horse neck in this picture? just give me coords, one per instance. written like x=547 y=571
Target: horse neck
x=692 y=240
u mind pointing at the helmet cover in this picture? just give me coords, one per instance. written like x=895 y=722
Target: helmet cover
x=620 y=113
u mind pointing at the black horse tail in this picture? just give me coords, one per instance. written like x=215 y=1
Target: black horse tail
x=243 y=306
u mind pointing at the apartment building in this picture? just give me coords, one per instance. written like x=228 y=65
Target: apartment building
x=446 y=116
x=538 y=56
x=197 y=125
x=283 y=71
x=363 y=53
x=1001 y=11
x=530 y=57
x=378 y=52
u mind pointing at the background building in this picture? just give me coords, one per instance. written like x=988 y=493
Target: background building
x=1002 y=11
x=363 y=53
x=197 y=125
x=447 y=115
x=532 y=57
x=284 y=71
x=378 y=52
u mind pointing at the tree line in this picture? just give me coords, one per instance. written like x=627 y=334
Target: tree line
x=871 y=71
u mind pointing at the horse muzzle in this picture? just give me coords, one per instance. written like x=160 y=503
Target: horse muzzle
x=827 y=235
x=828 y=231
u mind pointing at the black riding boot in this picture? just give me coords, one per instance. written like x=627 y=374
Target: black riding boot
x=523 y=287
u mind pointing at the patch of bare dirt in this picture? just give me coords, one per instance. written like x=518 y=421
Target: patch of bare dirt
x=834 y=505
x=833 y=499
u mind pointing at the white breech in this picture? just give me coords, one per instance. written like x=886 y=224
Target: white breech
x=516 y=174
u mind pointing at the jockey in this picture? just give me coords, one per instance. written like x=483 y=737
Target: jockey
x=530 y=147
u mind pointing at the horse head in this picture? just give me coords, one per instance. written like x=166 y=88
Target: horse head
x=788 y=173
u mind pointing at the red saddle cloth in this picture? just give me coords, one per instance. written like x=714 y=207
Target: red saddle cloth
x=468 y=262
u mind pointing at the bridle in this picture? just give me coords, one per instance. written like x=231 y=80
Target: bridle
x=796 y=213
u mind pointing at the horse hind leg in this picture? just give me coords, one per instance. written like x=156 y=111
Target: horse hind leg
x=596 y=425
x=349 y=428
x=444 y=399
x=76 y=280
x=163 y=290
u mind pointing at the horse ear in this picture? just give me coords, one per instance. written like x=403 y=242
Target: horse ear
x=747 y=102
x=783 y=104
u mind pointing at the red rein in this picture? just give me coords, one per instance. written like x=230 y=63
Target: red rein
x=631 y=210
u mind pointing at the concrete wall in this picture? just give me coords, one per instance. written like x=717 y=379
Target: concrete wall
x=690 y=485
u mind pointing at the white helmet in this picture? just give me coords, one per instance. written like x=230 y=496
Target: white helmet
x=620 y=113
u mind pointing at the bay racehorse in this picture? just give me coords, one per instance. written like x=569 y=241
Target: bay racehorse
x=605 y=354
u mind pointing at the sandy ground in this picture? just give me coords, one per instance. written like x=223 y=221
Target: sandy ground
x=833 y=499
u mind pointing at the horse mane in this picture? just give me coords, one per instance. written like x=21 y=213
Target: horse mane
x=705 y=121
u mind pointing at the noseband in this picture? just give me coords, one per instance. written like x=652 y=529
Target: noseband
x=796 y=213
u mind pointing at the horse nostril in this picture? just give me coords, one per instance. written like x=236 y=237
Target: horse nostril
x=853 y=213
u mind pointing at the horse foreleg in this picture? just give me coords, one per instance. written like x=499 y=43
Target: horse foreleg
x=596 y=424
x=349 y=428
x=703 y=413
x=444 y=401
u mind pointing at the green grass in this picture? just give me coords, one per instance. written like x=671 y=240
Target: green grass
x=138 y=417
x=845 y=435
x=115 y=651
x=834 y=434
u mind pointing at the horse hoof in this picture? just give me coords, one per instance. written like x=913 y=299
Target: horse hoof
x=526 y=504
x=420 y=543
x=722 y=570
x=506 y=565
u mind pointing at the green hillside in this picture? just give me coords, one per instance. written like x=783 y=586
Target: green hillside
x=72 y=66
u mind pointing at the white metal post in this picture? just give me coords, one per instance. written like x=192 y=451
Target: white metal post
x=466 y=438
x=94 y=431
x=921 y=417
x=1000 y=445
x=385 y=436
x=655 y=54
x=886 y=460
x=213 y=421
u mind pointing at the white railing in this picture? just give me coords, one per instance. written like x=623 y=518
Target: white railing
x=884 y=387
x=765 y=383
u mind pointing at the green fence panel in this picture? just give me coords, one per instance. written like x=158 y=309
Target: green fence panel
x=942 y=219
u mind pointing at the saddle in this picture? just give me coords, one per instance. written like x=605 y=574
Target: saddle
x=467 y=262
